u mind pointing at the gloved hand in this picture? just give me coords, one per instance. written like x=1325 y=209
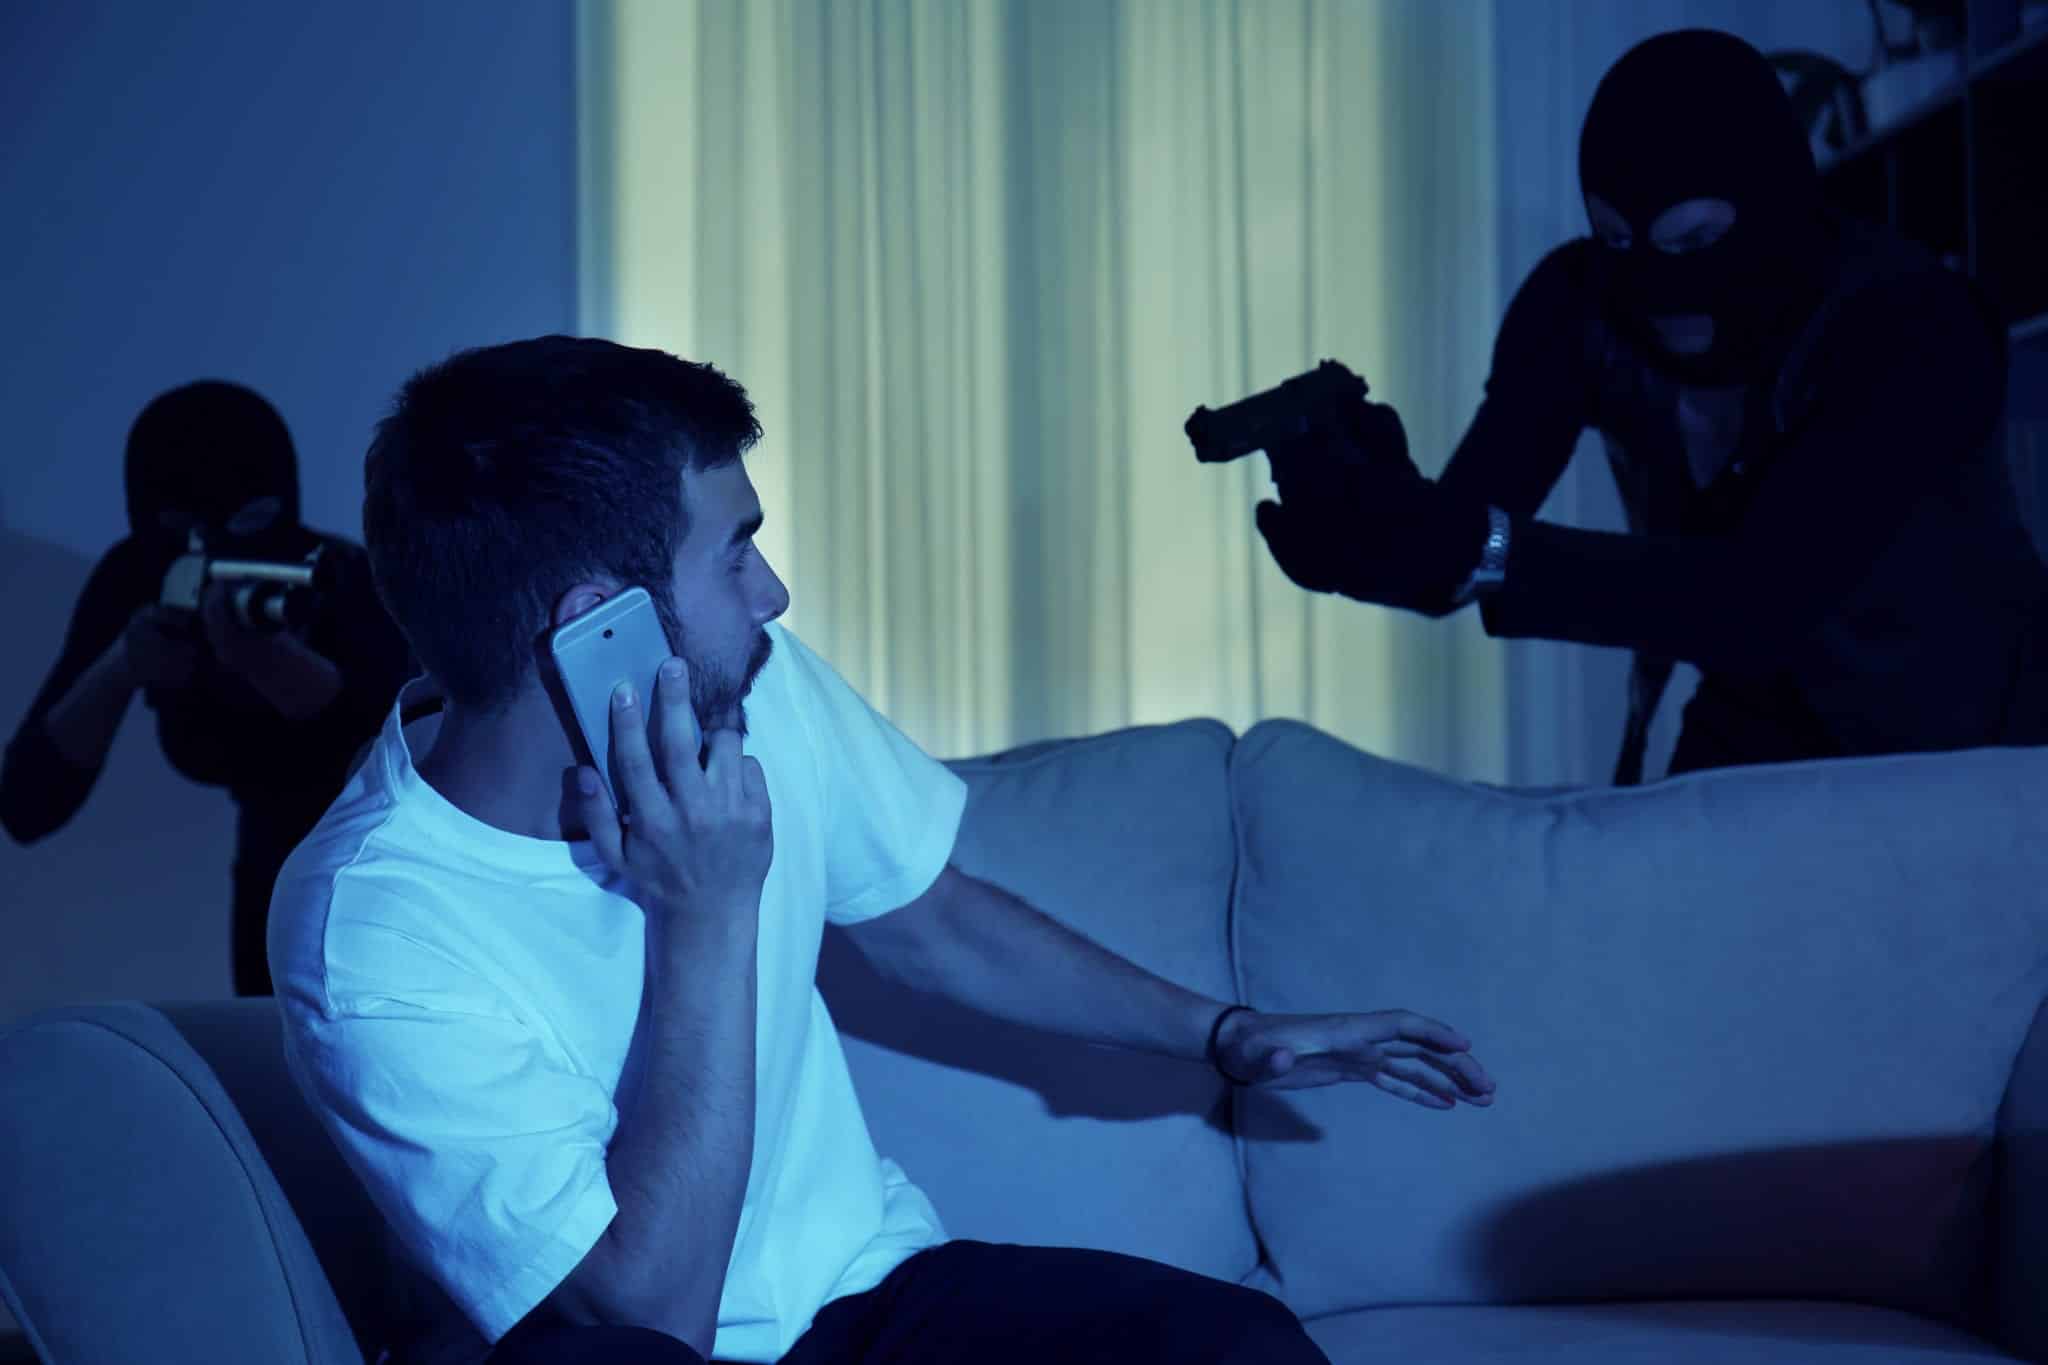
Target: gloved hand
x=1356 y=517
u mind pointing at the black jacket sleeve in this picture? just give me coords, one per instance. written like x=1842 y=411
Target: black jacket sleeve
x=1908 y=382
x=1539 y=392
x=40 y=789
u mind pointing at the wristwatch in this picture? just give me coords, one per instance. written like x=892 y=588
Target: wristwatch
x=1493 y=559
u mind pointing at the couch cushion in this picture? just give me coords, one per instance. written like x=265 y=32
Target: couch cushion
x=1726 y=1333
x=1023 y=1137
x=1750 y=1028
x=137 y=1219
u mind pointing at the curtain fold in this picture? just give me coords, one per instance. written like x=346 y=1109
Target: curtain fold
x=977 y=262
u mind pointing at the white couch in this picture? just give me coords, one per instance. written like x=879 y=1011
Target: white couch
x=1771 y=1048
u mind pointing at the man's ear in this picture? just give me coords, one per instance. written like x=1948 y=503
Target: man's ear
x=580 y=599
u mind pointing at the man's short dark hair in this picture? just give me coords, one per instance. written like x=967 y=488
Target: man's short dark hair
x=506 y=474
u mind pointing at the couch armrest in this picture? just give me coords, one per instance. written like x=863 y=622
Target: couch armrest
x=2020 y=1202
x=138 y=1220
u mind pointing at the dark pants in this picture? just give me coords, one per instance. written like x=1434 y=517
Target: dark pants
x=984 y=1303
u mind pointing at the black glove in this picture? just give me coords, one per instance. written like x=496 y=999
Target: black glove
x=1356 y=517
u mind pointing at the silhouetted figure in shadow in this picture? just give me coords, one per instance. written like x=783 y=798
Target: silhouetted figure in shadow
x=268 y=701
x=1803 y=414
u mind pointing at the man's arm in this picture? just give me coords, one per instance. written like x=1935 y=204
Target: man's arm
x=286 y=672
x=1912 y=383
x=967 y=941
x=55 y=758
x=679 y=1162
x=1354 y=513
x=977 y=944
x=1539 y=392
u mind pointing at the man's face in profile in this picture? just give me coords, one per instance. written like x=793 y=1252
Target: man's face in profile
x=724 y=593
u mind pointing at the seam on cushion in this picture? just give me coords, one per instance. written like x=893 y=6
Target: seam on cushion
x=1208 y=725
x=284 y=1272
x=1060 y=748
x=1235 y=962
x=1595 y=794
x=1997 y=1220
x=11 y=1297
x=2000 y=1120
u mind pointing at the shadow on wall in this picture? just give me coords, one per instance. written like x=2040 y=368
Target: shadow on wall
x=129 y=900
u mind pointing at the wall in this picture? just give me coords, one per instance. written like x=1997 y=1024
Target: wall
x=310 y=200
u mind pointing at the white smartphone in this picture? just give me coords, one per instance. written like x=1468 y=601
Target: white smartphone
x=618 y=640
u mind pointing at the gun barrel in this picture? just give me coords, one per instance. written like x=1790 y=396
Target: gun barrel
x=245 y=569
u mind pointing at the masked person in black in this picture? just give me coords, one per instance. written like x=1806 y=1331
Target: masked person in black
x=1803 y=414
x=273 y=715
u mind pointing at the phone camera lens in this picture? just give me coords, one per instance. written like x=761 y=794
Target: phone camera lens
x=607 y=635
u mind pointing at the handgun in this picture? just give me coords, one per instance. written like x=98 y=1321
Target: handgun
x=1288 y=411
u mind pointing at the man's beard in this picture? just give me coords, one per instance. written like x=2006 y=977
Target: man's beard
x=715 y=691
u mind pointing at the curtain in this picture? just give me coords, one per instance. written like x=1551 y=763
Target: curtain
x=976 y=262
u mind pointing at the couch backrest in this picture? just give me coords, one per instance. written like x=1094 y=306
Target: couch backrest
x=1751 y=1028
x=1018 y=1136
x=384 y=1297
x=138 y=1217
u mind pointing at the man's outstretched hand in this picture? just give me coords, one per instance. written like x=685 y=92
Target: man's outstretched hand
x=1404 y=1054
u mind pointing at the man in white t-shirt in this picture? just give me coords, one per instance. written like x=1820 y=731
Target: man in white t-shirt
x=579 y=1060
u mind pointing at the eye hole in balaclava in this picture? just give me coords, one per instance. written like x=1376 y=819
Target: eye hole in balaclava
x=217 y=457
x=1688 y=225
x=1691 y=129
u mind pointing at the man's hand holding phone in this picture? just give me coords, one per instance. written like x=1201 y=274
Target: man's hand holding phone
x=696 y=842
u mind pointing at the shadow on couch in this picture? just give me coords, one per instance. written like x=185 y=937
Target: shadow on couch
x=1071 y=1079
x=1713 y=1228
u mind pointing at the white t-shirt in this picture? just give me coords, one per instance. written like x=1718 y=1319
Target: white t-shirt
x=462 y=1010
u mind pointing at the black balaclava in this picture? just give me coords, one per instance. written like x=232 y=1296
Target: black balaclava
x=1698 y=114
x=200 y=454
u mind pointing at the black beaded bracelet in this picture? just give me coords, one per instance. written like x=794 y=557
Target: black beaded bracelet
x=1215 y=1032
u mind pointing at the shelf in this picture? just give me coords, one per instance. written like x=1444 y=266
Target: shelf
x=1930 y=189
x=1963 y=171
x=2027 y=41
x=1999 y=64
x=2009 y=177
x=1921 y=110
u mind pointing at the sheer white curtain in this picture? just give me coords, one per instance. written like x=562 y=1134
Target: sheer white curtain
x=977 y=262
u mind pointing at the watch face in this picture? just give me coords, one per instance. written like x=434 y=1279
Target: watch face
x=1496 y=541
